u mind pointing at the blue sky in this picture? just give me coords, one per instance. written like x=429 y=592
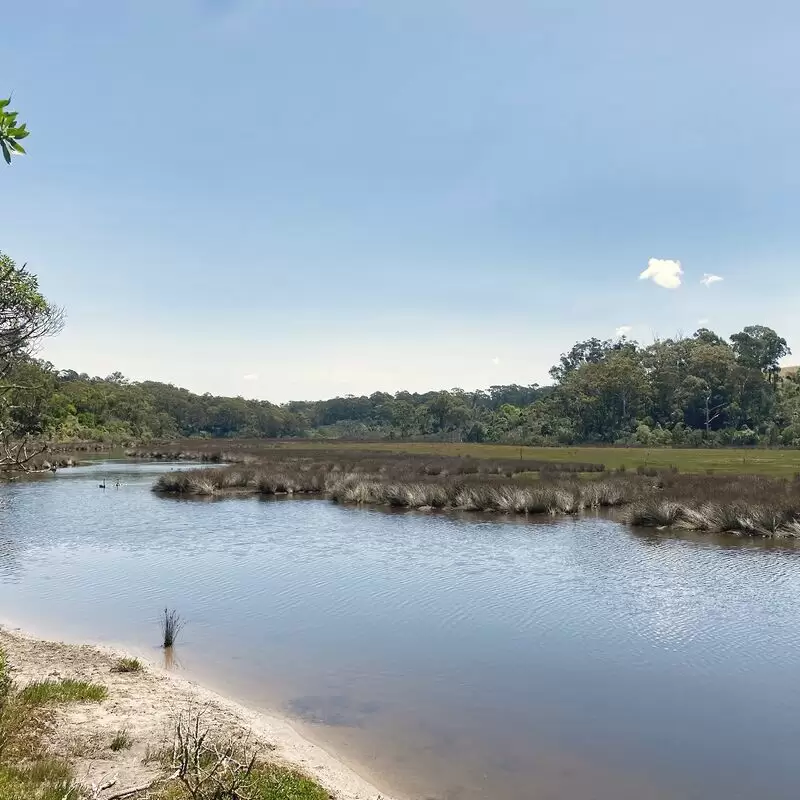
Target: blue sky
x=302 y=198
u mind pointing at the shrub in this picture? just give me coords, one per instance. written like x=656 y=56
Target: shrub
x=128 y=665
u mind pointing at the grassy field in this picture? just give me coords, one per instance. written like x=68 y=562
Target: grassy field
x=778 y=463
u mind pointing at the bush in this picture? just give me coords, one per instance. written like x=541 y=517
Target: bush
x=128 y=665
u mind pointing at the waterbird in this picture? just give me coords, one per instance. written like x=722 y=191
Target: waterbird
x=103 y=484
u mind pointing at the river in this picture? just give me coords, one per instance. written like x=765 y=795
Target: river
x=443 y=656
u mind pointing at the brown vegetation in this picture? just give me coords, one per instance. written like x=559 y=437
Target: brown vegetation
x=745 y=504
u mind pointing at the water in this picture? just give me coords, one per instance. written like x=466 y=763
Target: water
x=442 y=656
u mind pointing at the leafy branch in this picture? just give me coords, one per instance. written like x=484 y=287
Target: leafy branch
x=11 y=131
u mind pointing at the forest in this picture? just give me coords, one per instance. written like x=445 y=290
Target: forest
x=698 y=391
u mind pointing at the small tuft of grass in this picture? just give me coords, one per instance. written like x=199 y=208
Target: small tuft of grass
x=128 y=665
x=171 y=626
x=121 y=741
x=67 y=690
x=157 y=755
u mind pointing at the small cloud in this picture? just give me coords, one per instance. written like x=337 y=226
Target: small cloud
x=703 y=323
x=251 y=376
x=623 y=330
x=495 y=361
x=708 y=279
x=663 y=272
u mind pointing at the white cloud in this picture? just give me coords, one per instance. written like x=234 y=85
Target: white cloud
x=623 y=330
x=708 y=279
x=495 y=361
x=664 y=272
x=703 y=323
x=251 y=376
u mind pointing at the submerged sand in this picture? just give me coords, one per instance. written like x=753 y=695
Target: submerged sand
x=146 y=705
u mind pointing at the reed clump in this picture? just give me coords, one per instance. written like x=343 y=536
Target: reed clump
x=743 y=504
x=171 y=625
x=128 y=664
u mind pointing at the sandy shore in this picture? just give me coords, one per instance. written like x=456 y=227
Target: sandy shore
x=146 y=704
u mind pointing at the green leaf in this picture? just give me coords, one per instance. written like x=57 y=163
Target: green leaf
x=6 y=154
x=11 y=116
x=4 y=103
x=16 y=146
x=18 y=133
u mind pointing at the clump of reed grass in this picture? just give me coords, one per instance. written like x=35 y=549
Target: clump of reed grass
x=121 y=741
x=128 y=664
x=734 y=518
x=662 y=498
x=171 y=625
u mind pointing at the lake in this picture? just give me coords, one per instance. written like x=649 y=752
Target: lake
x=443 y=656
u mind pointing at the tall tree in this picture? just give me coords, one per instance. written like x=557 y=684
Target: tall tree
x=26 y=317
x=759 y=347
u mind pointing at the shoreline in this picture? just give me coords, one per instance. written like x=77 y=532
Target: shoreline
x=145 y=704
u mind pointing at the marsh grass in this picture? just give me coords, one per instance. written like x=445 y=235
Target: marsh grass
x=746 y=504
x=128 y=665
x=67 y=690
x=171 y=625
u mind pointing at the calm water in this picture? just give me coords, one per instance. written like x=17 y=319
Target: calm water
x=445 y=657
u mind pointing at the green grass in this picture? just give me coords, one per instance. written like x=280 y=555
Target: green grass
x=128 y=665
x=779 y=463
x=67 y=690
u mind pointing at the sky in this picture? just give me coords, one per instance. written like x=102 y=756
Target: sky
x=296 y=199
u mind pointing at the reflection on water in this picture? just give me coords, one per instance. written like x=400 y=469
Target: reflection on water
x=447 y=657
x=171 y=660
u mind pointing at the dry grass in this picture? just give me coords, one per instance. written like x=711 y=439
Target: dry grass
x=745 y=504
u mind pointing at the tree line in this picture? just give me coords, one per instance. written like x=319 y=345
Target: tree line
x=695 y=391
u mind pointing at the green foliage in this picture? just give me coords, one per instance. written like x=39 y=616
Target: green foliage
x=688 y=392
x=12 y=132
